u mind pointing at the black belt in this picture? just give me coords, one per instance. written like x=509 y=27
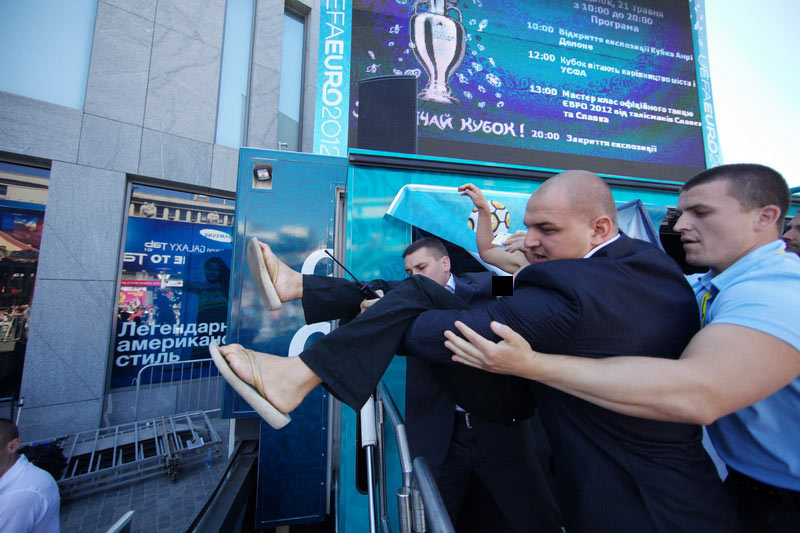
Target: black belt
x=764 y=490
x=465 y=418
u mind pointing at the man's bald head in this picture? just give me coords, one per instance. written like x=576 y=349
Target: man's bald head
x=587 y=194
x=569 y=215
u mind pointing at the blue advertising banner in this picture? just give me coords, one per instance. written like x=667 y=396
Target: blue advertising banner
x=333 y=75
x=709 y=120
x=173 y=296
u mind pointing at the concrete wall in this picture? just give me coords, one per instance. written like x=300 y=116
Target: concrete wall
x=150 y=111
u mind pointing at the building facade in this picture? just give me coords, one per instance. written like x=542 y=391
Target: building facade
x=156 y=98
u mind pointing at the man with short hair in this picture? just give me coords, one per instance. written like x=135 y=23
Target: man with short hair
x=428 y=257
x=459 y=444
x=591 y=291
x=792 y=235
x=739 y=374
x=29 y=500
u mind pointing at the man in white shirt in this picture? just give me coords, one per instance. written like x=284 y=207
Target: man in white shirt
x=29 y=500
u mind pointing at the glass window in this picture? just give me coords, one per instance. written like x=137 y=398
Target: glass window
x=173 y=296
x=45 y=47
x=291 y=90
x=23 y=196
x=235 y=73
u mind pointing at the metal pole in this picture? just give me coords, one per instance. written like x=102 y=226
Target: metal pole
x=404 y=509
x=435 y=512
x=368 y=441
x=418 y=510
x=381 y=462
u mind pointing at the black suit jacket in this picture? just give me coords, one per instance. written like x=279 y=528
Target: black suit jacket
x=613 y=472
x=430 y=408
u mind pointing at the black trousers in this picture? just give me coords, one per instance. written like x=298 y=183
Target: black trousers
x=352 y=358
x=764 y=508
x=517 y=485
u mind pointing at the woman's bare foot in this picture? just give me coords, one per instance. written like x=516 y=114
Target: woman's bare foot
x=288 y=283
x=286 y=380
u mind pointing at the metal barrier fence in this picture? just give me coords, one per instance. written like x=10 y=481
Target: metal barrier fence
x=196 y=385
x=111 y=457
x=419 y=504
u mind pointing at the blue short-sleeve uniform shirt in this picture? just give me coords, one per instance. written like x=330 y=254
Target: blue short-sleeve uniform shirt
x=760 y=291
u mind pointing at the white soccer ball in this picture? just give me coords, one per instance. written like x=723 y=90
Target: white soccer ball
x=501 y=218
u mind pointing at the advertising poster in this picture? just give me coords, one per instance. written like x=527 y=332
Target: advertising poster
x=174 y=294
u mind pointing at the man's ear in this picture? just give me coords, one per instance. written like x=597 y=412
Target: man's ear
x=446 y=262
x=767 y=218
x=601 y=229
x=12 y=446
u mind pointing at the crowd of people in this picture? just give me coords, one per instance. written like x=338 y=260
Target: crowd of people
x=161 y=311
x=14 y=322
x=625 y=358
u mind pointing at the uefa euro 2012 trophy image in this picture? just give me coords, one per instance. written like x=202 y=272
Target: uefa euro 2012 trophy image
x=439 y=45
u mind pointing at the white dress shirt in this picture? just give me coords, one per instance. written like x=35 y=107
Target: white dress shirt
x=29 y=500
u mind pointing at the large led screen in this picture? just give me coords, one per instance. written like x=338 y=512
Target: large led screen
x=606 y=85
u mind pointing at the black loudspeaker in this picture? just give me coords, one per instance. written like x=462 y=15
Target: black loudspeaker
x=387 y=114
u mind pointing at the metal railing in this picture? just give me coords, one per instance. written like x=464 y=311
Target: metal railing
x=106 y=458
x=123 y=525
x=435 y=512
x=419 y=504
x=196 y=384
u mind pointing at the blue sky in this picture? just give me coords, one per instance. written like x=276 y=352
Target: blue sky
x=754 y=55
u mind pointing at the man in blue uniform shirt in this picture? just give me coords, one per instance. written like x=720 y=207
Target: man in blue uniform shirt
x=738 y=375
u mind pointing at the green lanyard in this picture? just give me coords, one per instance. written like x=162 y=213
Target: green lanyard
x=703 y=305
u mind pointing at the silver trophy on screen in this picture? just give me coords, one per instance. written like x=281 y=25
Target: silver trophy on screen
x=439 y=45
